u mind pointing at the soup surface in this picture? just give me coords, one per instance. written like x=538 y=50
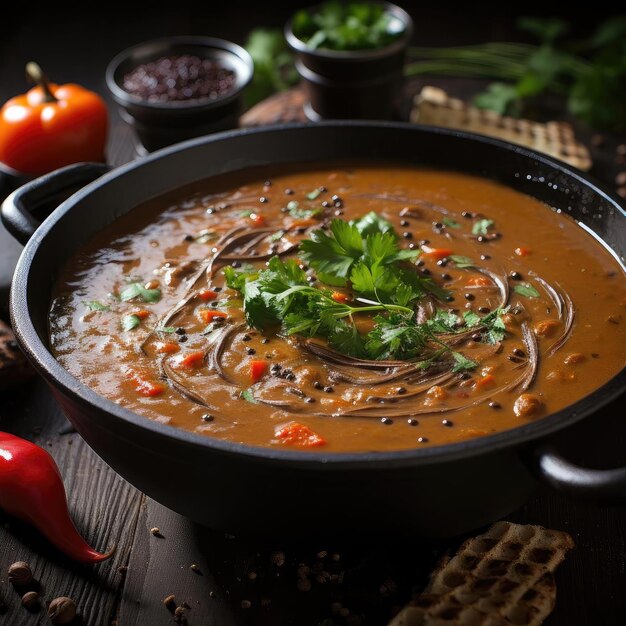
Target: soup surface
x=343 y=308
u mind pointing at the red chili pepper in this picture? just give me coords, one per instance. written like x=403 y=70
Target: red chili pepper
x=257 y=370
x=32 y=490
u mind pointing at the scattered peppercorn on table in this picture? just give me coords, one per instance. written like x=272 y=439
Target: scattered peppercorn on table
x=167 y=568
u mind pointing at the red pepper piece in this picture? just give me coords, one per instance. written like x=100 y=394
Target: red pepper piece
x=257 y=370
x=295 y=434
x=208 y=315
x=31 y=489
x=436 y=253
x=148 y=388
x=257 y=219
x=191 y=359
x=207 y=294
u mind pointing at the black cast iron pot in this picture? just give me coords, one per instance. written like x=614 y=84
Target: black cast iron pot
x=429 y=491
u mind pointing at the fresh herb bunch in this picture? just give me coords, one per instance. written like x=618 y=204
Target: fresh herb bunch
x=353 y=26
x=273 y=65
x=589 y=74
x=365 y=253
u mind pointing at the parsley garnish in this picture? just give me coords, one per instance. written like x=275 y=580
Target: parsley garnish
x=450 y=223
x=94 y=305
x=526 y=290
x=462 y=262
x=130 y=322
x=293 y=206
x=137 y=290
x=246 y=394
x=481 y=227
x=366 y=254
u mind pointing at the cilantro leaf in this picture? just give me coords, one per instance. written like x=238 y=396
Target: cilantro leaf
x=450 y=223
x=481 y=227
x=526 y=290
x=462 y=262
x=373 y=223
x=333 y=255
x=247 y=395
x=462 y=363
x=312 y=195
x=137 y=290
x=94 y=305
x=471 y=319
x=130 y=322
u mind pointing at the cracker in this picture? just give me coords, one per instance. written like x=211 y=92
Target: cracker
x=14 y=368
x=435 y=107
x=501 y=578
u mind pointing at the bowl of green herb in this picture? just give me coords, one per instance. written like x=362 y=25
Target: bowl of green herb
x=350 y=58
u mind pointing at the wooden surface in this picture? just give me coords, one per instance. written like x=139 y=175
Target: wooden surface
x=369 y=578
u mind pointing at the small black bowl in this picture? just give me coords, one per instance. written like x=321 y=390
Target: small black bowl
x=160 y=124
x=354 y=84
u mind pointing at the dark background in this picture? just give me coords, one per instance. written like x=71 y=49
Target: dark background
x=74 y=42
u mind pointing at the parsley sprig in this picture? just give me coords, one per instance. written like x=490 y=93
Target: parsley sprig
x=365 y=254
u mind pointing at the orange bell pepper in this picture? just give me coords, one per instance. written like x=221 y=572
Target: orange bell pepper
x=52 y=126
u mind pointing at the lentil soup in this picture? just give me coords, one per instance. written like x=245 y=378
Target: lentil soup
x=343 y=308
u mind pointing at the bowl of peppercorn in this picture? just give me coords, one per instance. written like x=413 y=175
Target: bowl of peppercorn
x=176 y=88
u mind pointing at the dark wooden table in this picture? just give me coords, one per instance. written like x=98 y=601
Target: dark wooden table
x=240 y=580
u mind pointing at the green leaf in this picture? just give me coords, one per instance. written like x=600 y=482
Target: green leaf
x=372 y=223
x=481 y=227
x=545 y=29
x=333 y=254
x=526 y=290
x=450 y=223
x=137 y=290
x=247 y=395
x=462 y=363
x=462 y=262
x=165 y=329
x=130 y=322
x=94 y=305
x=499 y=97
x=312 y=195
x=471 y=319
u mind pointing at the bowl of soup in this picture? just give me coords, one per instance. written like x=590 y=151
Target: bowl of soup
x=383 y=318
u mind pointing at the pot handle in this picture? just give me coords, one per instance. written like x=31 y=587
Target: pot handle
x=606 y=485
x=24 y=210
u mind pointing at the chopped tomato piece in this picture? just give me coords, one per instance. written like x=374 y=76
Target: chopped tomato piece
x=478 y=281
x=257 y=219
x=191 y=359
x=166 y=347
x=522 y=251
x=258 y=370
x=295 y=434
x=436 y=253
x=338 y=296
x=208 y=315
x=141 y=314
x=148 y=388
x=488 y=380
x=207 y=294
